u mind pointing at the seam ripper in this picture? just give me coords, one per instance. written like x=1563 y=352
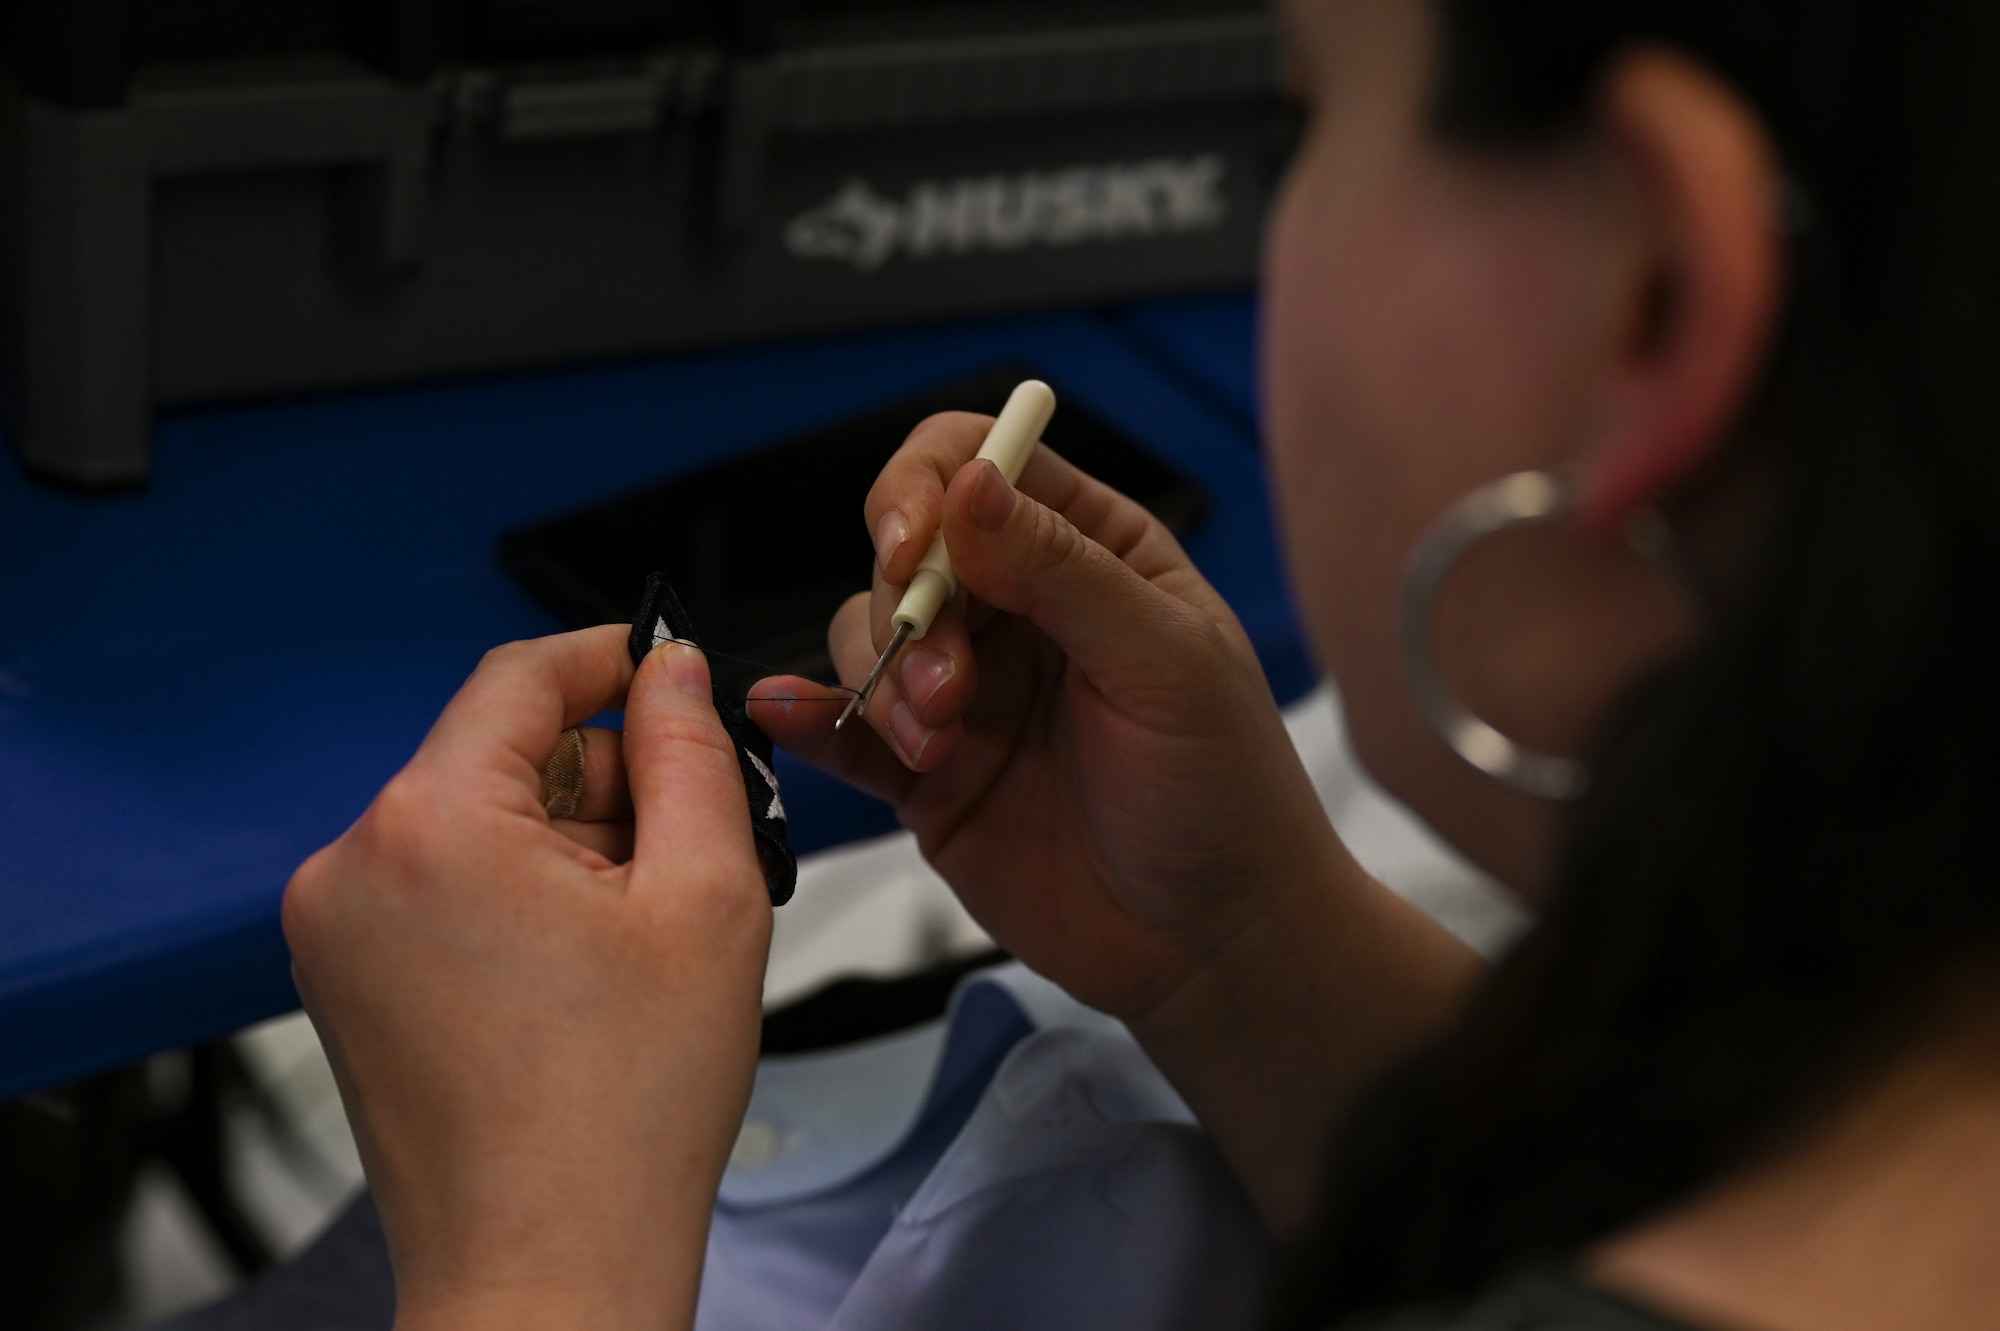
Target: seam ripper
x=1009 y=444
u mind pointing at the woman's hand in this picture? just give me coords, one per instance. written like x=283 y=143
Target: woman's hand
x=545 y=1053
x=1088 y=752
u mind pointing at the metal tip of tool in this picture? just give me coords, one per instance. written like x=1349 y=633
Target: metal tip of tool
x=853 y=705
x=860 y=700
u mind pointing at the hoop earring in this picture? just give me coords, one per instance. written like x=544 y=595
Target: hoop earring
x=1524 y=499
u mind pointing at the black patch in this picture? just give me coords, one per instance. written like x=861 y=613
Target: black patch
x=662 y=616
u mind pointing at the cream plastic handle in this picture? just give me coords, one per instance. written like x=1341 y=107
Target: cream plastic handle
x=1009 y=445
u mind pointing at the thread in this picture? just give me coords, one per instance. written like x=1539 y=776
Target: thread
x=766 y=668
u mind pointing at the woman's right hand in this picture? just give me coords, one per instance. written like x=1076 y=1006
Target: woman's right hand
x=1087 y=750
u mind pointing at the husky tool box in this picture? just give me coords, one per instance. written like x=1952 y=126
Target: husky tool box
x=211 y=199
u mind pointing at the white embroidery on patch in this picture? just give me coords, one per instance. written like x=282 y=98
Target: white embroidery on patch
x=777 y=809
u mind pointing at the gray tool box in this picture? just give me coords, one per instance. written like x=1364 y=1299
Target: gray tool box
x=212 y=199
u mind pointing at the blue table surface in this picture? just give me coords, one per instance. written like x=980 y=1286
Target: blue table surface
x=203 y=682
x=1207 y=343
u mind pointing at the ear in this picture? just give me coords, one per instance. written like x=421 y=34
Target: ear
x=1702 y=315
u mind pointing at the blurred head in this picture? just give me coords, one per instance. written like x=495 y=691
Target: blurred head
x=1737 y=261
x=1440 y=316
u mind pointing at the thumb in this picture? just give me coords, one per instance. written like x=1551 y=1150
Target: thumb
x=689 y=812
x=1023 y=557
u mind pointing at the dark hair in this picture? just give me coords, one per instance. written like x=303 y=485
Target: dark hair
x=1784 y=853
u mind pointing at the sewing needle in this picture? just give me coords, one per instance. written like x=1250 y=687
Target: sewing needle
x=860 y=700
x=1009 y=444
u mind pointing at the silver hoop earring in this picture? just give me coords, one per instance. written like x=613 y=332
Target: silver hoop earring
x=1524 y=499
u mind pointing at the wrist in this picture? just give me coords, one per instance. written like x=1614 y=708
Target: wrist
x=1273 y=1037
x=577 y=1268
x=1236 y=997
x=1269 y=959
x=569 y=1308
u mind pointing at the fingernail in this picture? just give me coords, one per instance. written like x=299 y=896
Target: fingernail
x=686 y=667
x=992 y=499
x=911 y=737
x=924 y=672
x=890 y=533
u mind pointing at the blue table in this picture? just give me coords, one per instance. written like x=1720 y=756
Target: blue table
x=202 y=683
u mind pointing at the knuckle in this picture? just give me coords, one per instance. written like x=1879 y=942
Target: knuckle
x=512 y=660
x=850 y=621
x=304 y=904
x=394 y=813
x=946 y=434
x=507 y=655
x=1052 y=540
x=399 y=825
x=854 y=610
x=931 y=455
x=693 y=735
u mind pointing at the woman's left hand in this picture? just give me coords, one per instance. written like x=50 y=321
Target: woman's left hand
x=545 y=1053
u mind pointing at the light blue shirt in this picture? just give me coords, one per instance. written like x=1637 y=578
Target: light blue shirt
x=1020 y=1164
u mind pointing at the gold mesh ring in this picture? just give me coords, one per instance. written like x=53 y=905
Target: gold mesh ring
x=562 y=776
